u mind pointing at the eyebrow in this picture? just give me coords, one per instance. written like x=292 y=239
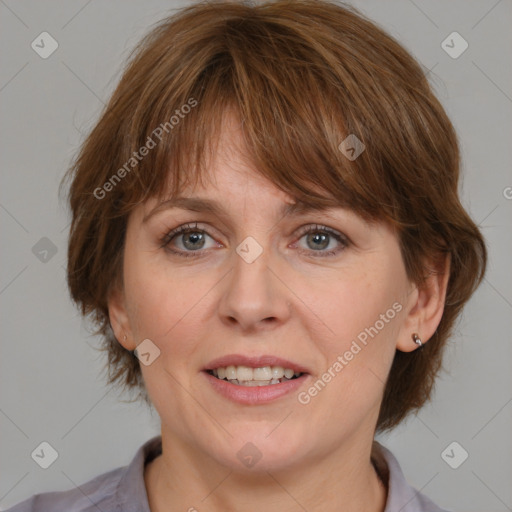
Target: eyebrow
x=198 y=204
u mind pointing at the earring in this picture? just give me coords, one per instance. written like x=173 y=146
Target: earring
x=124 y=338
x=417 y=340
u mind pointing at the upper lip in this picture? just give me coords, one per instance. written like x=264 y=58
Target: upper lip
x=254 y=362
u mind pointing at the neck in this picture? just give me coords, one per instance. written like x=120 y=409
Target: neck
x=181 y=479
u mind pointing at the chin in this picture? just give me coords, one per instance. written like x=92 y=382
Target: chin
x=259 y=448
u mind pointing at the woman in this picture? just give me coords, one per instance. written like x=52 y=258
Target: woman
x=267 y=233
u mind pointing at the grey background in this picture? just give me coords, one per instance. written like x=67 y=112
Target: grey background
x=51 y=383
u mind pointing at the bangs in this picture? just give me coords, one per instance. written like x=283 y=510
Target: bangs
x=293 y=109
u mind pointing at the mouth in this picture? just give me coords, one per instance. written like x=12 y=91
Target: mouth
x=251 y=377
x=254 y=380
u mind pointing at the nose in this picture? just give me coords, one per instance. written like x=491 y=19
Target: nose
x=254 y=297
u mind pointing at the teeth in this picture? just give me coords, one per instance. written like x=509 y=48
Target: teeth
x=244 y=373
x=264 y=373
x=230 y=372
x=247 y=376
x=254 y=383
x=277 y=372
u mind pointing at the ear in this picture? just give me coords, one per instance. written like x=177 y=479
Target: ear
x=119 y=319
x=425 y=306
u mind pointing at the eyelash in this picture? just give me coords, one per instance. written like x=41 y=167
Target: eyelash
x=312 y=228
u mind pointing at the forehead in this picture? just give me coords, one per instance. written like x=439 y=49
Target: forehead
x=234 y=170
x=230 y=175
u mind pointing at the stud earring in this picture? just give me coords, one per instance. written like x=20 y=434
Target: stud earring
x=124 y=338
x=417 y=340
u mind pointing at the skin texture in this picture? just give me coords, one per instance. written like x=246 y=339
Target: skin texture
x=289 y=303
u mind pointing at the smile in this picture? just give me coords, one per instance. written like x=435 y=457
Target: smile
x=246 y=376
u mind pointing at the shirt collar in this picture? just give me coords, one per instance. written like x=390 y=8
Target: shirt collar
x=131 y=495
x=401 y=496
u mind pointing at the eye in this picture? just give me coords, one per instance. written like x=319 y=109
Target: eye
x=320 y=238
x=188 y=238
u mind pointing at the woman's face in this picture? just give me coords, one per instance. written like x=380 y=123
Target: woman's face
x=248 y=286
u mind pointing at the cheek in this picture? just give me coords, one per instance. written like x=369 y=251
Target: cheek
x=164 y=307
x=357 y=351
x=355 y=304
x=161 y=304
x=169 y=306
x=361 y=313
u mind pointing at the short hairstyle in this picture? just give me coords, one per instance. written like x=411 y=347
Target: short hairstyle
x=302 y=75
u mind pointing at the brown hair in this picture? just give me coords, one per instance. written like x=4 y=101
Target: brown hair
x=302 y=76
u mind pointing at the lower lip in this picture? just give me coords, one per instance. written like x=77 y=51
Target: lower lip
x=252 y=395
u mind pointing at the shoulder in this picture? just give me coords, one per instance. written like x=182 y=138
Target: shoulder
x=401 y=496
x=93 y=495
x=121 y=489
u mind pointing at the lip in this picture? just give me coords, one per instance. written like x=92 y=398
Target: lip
x=257 y=394
x=254 y=362
x=254 y=395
